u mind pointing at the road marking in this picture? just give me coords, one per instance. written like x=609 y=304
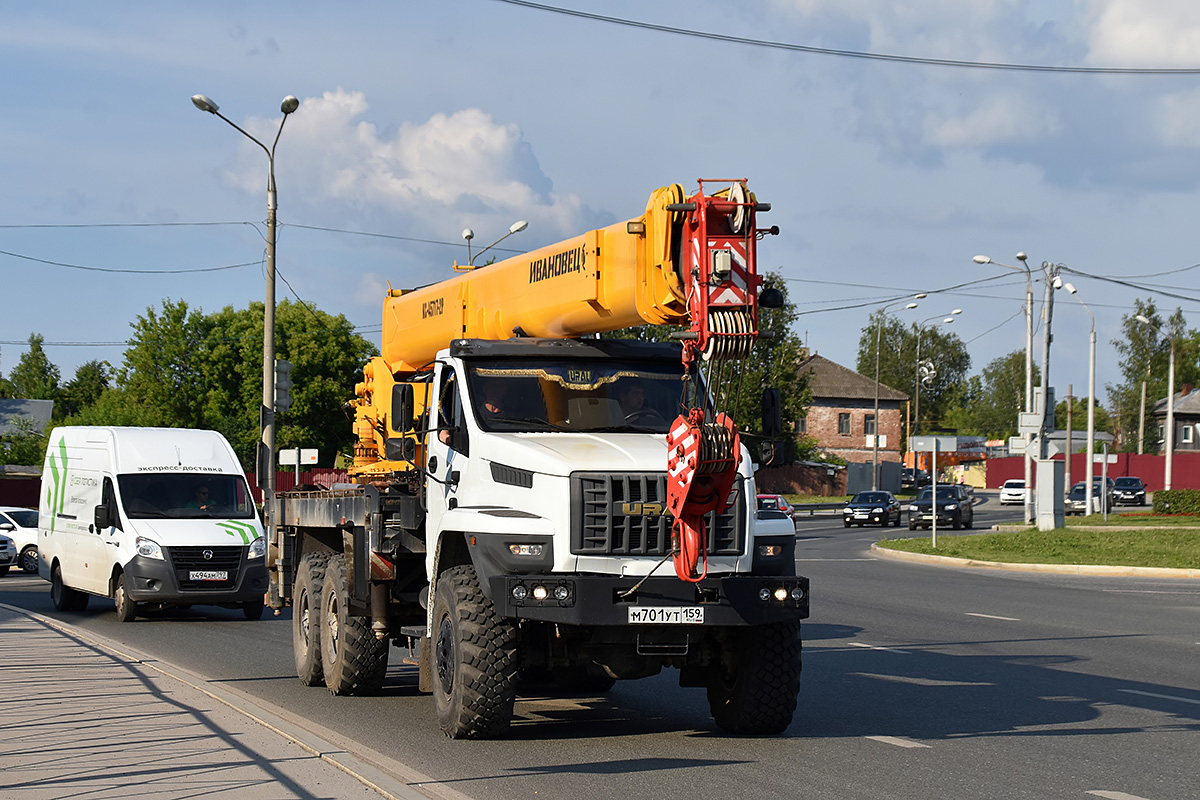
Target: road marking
x=1162 y=696
x=992 y=616
x=897 y=741
x=917 y=681
x=1144 y=591
x=1114 y=795
x=877 y=647
x=836 y=559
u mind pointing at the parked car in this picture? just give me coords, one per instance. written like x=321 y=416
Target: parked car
x=954 y=507
x=913 y=478
x=1129 y=492
x=774 y=502
x=877 y=508
x=8 y=555
x=1013 y=491
x=20 y=525
x=1076 y=502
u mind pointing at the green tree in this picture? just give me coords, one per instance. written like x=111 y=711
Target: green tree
x=34 y=377
x=1143 y=352
x=991 y=401
x=945 y=355
x=90 y=381
x=164 y=366
x=24 y=446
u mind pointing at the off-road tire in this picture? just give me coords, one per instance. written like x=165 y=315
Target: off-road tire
x=755 y=692
x=127 y=609
x=64 y=597
x=353 y=659
x=29 y=559
x=306 y=618
x=474 y=659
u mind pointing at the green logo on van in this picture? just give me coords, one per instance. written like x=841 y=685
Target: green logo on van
x=56 y=494
x=243 y=530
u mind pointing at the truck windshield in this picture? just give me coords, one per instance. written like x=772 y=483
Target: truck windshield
x=185 y=496
x=577 y=395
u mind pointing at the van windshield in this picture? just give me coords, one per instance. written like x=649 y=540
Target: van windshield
x=185 y=496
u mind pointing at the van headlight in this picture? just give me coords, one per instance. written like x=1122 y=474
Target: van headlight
x=148 y=548
x=258 y=548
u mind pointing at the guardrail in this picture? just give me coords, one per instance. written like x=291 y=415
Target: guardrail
x=811 y=509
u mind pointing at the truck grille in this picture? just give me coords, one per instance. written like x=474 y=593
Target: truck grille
x=625 y=515
x=225 y=559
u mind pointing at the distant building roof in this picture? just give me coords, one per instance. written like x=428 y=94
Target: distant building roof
x=35 y=413
x=1187 y=401
x=830 y=380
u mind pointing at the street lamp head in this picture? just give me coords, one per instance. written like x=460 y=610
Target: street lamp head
x=1070 y=287
x=947 y=320
x=920 y=296
x=468 y=234
x=956 y=311
x=204 y=104
x=1143 y=319
x=289 y=104
x=518 y=226
x=983 y=259
x=1022 y=257
x=912 y=305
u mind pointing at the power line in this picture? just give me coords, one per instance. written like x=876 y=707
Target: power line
x=827 y=51
x=125 y=271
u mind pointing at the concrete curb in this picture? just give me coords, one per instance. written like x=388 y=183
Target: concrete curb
x=1060 y=569
x=388 y=777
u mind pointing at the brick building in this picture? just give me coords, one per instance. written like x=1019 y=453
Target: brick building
x=841 y=417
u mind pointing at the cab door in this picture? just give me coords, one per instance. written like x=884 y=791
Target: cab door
x=449 y=446
x=96 y=548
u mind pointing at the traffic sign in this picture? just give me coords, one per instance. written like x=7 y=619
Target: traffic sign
x=926 y=444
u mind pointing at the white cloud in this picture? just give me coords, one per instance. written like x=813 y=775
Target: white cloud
x=998 y=119
x=463 y=165
x=1178 y=118
x=1134 y=33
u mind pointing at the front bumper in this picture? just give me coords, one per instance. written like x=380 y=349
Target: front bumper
x=1138 y=499
x=875 y=516
x=155 y=580
x=597 y=600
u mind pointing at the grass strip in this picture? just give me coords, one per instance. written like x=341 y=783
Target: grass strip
x=1178 y=549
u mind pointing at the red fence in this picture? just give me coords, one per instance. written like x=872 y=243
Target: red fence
x=289 y=480
x=1185 y=469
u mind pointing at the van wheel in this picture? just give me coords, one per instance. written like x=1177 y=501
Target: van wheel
x=253 y=609
x=306 y=618
x=64 y=597
x=28 y=560
x=126 y=608
x=474 y=659
x=354 y=660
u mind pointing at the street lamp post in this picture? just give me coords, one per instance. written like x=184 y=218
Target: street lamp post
x=1028 y=369
x=1091 y=423
x=878 y=342
x=1142 y=318
x=265 y=458
x=920 y=331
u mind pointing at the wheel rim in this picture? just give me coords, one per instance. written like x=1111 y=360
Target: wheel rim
x=29 y=560
x=305 y=611
x=331 y=623
x=445 y=655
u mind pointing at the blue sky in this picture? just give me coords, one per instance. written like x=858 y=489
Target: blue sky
x=419 y=119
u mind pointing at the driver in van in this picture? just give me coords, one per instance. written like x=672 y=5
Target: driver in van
x=201 y=499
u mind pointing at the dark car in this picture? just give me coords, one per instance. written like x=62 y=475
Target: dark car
x=1076 y=502
x=876 y=508
x=955 y=507
x=913 y=478
x=1129 y=492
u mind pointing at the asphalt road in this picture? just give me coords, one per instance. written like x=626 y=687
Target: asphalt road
x=919 y=682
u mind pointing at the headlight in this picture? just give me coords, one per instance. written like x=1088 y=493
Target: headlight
x=258 y=548
x=148 y=548
x=913 y=508
x=847 y=510
x=950 y=506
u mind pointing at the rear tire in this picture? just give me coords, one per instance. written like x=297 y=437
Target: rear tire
x=755 y=692
x=127 y=609
x=474 y=659
x=306 y=618
x=353 y=659
x=29 y=559
x=64 y=597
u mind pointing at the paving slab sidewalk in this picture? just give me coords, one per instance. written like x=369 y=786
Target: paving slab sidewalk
x=81 y=720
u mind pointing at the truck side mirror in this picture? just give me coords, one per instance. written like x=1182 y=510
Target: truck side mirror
x=402 y=407
x=772 y=413
x=102 y=519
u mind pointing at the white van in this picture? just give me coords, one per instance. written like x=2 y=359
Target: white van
x=155 y=516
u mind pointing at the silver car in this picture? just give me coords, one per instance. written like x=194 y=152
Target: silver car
x=8 y=555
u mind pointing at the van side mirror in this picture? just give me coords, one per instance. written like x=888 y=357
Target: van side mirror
x=402 y=407
x=103 y=518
